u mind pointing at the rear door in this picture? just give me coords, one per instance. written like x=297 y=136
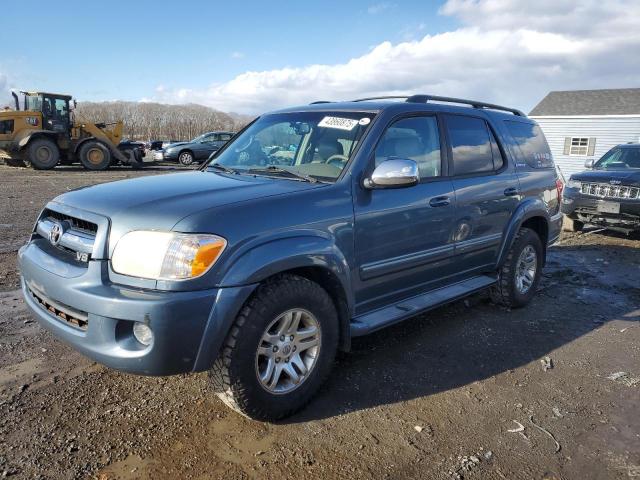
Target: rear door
x=403 y=236
x=486 y=188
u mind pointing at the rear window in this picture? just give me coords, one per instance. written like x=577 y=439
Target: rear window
x=471 y=145
x=6 y=126
x=529 y=144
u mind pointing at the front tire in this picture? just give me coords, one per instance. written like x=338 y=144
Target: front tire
x=43 y=154
x=519 y=276
x=185 y=158
x=94 y=156
x=279 y=350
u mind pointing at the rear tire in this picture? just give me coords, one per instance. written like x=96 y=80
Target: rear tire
x=94 y=156
x=43 y=154
x=290 y=324
x=519 y=276
x=571 y=225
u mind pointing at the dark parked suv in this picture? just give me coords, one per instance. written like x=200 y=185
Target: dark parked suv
x=315 y=225
x=608 y=195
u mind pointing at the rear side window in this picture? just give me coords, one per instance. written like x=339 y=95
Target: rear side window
x=529 y=144
x=472 y=145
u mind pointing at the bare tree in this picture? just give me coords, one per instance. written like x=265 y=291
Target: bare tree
x=155 y=121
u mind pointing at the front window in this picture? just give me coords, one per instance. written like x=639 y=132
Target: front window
x=315 y=145
x=620 y=158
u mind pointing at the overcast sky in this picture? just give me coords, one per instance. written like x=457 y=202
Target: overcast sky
x=249 y=57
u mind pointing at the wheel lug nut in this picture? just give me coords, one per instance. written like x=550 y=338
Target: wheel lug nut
x=294 y=348
x=291 y=338
x=286 y=360
x=282 y=338
x=277 y=359
x=275 y=348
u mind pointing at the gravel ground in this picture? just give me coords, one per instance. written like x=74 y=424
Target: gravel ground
x=467 y=391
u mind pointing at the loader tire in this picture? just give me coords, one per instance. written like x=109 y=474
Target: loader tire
x=94 y=156
x=42 y=154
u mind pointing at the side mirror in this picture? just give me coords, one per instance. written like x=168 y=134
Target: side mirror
x=589 y=164
x=394 y=173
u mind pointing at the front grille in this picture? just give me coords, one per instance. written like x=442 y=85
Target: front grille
x=76 y=223
x=73 y=235
x=604 y=190
x=66 y=314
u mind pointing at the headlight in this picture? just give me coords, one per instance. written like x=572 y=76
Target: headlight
x=166 y=255
x=574 y=184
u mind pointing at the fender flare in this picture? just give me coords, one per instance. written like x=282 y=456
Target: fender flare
x=77 y=146
x=529 y=208
x=255 y=264
x=23 y=138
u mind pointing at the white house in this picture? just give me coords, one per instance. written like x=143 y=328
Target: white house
x=584 y=124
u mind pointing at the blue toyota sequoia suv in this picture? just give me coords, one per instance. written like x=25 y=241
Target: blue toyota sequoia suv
x=314 y=225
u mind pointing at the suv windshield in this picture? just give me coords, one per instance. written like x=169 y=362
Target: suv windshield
x=620 y=158
x=308 y=144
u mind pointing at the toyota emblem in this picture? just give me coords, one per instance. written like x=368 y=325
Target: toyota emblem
x=55 y=234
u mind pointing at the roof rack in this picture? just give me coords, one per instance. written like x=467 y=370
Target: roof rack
x=473 y=103
x=320 y=101
x=388 y=97
x=434 y=98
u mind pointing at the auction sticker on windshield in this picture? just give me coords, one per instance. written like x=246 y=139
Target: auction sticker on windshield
x=337 y=122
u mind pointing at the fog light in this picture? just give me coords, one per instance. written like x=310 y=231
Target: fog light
x=142 y=333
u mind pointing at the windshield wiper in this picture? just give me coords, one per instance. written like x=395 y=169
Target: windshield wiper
x=222 y=168
x=276 y=169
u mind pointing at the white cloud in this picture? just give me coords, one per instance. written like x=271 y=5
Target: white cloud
x=237 y=55
x=5 y=91
x=510 y=52
x=379 y=8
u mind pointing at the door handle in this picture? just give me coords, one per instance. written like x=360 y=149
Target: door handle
x=439 y=201
x=511 y=192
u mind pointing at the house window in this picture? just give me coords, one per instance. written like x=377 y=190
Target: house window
x=579 y=146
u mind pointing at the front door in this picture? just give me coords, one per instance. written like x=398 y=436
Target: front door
x=487 y=192
x=403 y=236
x=55 y=114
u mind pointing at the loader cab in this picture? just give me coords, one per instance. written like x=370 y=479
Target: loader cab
x=54 y=108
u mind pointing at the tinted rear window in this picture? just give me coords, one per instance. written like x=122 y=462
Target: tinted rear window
x=470 y=145
x=529 y=144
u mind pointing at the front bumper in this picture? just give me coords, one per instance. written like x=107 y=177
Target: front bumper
x=189 y=327
x=584 y=208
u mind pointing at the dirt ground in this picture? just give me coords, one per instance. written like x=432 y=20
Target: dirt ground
x=467 y=391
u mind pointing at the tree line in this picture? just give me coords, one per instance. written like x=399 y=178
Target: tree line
x=155 y=121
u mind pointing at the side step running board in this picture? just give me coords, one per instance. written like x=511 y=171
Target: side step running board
x=383 y=317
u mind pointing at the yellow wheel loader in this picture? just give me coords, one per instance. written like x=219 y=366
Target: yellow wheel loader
x=46 y=133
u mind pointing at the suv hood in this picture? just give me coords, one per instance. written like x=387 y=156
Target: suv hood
x=625 y=177
x=159 y=202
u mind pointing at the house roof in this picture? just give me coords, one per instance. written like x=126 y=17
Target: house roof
x=620 y=101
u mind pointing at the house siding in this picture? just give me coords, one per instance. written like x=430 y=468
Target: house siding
x=608 y=132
